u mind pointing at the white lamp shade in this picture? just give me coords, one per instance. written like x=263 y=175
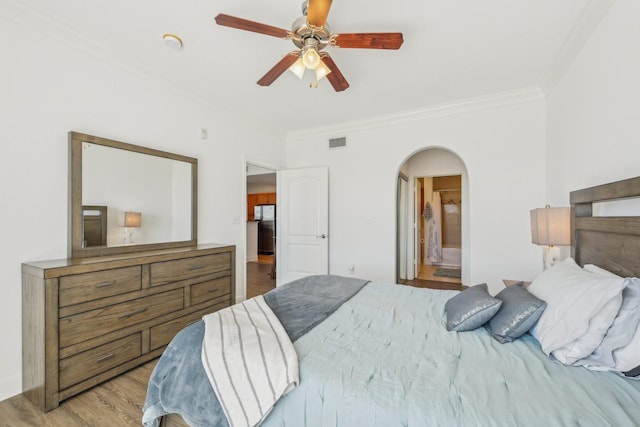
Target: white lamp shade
x=550 y=226
x=322 y=70
x=298 y=68
x=132 y=219
x=310 y=58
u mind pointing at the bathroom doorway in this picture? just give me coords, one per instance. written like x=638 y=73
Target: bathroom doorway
x=439 y=230
x=437 y=221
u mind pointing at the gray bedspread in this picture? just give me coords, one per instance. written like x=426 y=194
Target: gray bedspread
x=179 y=383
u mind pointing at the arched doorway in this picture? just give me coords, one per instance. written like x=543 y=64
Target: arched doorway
x=433 y=219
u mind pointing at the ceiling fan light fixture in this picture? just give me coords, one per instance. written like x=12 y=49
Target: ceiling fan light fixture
x=298 y=68
x=322 y=70
x=310 y=58
x=310 y=55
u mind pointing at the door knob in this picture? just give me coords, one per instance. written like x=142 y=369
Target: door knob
x=322 y=236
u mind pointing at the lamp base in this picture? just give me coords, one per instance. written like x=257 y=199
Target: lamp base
x=550 y=256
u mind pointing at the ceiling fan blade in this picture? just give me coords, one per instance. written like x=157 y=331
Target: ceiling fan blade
x=317 y=12
x=369 y=40
x=256 y=27
x=278 y=69
x=335 y=77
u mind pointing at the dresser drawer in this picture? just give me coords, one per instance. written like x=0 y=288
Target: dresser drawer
x=80 y=288
x=170 y=271
x=211 y=289
x=87 y=325
x=84 y=365
x=162 y=334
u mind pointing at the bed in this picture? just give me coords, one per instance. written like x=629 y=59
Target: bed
x=382 y=354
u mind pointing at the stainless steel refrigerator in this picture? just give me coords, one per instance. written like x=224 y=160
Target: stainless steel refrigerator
x=266 y=217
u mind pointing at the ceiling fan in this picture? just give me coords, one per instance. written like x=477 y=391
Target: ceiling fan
x=311 y=34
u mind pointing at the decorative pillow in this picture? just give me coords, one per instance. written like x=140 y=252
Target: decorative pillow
x=520 y=310
x=471 y=308
x=574 y=297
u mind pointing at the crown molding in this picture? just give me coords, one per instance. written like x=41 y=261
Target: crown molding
x=589 y=19
x=463 y=106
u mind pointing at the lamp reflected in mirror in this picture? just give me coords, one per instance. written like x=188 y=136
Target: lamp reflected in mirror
x=132 y=220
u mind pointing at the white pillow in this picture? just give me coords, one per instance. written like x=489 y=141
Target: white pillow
x=592 y=338
x=628 y=357
x=592 y=268
x=574 y=297
x=621 y=331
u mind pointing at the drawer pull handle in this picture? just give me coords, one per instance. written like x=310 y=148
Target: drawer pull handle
x=196 y=267
x=105 y=357
x=213 y=290
x=133 y=313
x=104 y=284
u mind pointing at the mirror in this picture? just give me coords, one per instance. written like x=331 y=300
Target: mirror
x=126 y=198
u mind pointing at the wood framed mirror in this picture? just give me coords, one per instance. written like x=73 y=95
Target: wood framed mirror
x=144 y=199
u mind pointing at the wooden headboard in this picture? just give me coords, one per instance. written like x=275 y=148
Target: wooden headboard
x=612 y=243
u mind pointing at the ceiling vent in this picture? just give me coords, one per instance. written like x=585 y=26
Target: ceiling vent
x=338 y=142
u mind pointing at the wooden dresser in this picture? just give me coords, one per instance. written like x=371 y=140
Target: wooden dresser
x=87 y=320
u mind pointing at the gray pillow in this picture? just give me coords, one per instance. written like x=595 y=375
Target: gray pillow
x=471 y=308
x=519 y=312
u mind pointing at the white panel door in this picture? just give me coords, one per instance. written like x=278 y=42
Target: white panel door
x=302 y=223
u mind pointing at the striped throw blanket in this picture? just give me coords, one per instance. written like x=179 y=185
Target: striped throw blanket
x=249 y=359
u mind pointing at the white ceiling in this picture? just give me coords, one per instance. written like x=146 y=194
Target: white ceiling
x=453 y=50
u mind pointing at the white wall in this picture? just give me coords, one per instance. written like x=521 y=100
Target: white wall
x=262 y=188
x=499 y=139
x=593 y=119
x=51 y=85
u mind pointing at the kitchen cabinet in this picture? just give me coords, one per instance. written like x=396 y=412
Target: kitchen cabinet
x=258 y=199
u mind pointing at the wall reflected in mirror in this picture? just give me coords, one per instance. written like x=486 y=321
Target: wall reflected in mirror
x=124 y=181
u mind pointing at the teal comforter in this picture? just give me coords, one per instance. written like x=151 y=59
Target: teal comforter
x=385 y=358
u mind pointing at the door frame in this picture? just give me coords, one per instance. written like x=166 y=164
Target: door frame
x=245 y=166
x=402 y=223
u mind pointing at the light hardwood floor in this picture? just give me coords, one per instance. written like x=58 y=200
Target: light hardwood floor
x=427 y=279
x=427 y=272
x=259 y=280
x=117 y=402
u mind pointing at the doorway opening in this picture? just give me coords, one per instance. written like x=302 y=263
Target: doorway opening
x=261 y=227
x=439 y=228
x=435 y=220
